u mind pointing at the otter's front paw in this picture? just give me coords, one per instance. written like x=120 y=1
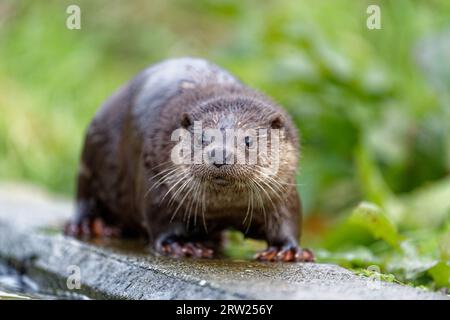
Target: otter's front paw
x=178 y=249
x=286 y=254
x=91 y=228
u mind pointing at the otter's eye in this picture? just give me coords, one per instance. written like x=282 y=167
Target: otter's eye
x=203 y=138
x=248 y=141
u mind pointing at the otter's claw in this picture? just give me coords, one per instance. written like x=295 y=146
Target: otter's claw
x=286 y=254
x=186 y=249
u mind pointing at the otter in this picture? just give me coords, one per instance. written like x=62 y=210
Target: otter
x=129 y=184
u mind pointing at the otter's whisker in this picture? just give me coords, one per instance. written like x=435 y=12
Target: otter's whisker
x=249 y=211
x=195 y=191
x=187 y=209
x=260 y=200
x=188 y=183
x=275 y=192
x=204 y=209
x=277 y=184
x=161 y=164
x=157 y=183
x=167 y=174
x=179 y=177
x=249 y=195
x=180 y=185
x=197 y=201
x=268 y=197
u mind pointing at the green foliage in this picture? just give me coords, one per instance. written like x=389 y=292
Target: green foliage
x=372 y=218
x=440 y=273
x=374 y=274
x=372 y=113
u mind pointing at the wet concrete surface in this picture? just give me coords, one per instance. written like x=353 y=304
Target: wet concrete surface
x=31 y=241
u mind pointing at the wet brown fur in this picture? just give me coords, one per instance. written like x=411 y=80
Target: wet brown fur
x=128 y=147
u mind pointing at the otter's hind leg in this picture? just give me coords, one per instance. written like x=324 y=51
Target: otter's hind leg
x=91 y=216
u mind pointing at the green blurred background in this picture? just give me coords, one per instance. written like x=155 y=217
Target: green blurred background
x=372 y=106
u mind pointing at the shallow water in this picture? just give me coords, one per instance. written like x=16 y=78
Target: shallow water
x=14 y=286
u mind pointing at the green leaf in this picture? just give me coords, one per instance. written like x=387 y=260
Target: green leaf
x=374 y=187
x=444 y=246
x=372 y=218
x=441 y=274
x=428 y=206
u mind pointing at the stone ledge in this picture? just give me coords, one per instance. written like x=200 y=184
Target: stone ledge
x=122 y=270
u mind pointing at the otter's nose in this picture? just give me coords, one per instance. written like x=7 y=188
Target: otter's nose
x=218 y=165
x=218 y=161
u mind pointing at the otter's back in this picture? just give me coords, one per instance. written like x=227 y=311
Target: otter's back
x=159 y=83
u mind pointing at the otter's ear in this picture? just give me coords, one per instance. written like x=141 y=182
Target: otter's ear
x=186 y=120
x=277 y=121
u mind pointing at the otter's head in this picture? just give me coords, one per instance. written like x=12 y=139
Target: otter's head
x=235 y=146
